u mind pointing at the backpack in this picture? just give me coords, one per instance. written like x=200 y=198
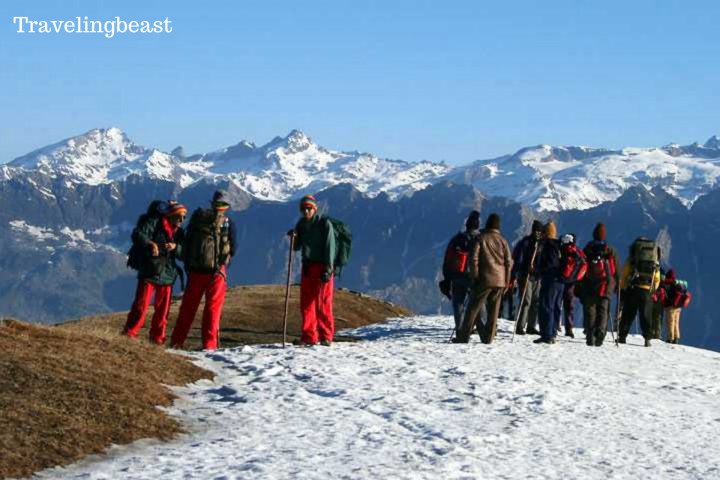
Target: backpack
x=343 y=243
x=456 y=254
x=645 y=261
x=206 y=246
x=550 y=257
x=137 y=255
x=574 y=264
x=678 y=295
x=601 y=266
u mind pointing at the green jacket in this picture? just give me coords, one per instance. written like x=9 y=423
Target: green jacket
x=160 y=270
x=316 y=239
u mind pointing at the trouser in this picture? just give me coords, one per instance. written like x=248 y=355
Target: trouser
x=509 y=300
x=672 y=314
x=529 y=307
x=595 y=318
x=636 y=300
x=569 y=306
x=460 y=291
x=657 y=315
x=316 y=304
x=136 y=315
x=213 y=286
x=478 y=298
x=551 y=294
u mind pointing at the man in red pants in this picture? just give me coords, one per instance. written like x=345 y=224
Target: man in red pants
x=315 y=239
x=209 y=245
x=157 y=236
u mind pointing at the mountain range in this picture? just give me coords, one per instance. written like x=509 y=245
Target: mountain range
x=66 y=211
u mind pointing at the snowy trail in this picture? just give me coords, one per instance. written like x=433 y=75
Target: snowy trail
x=407 y=404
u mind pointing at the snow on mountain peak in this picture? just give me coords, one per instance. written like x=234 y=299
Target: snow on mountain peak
x=713 y=142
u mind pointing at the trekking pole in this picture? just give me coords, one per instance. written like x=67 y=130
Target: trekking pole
x=617 y=319
x=287 y=287
x=524 y=291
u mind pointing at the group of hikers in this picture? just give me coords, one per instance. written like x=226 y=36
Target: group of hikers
x=479 y=269
x=206 y=248
x=548 y=273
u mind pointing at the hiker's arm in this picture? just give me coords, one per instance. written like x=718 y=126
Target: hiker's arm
x=232 y=237
x=179 y=239
x=517 y=259
x=474 y=269
x=298 y=238
x=508 y=263
x=144 y=236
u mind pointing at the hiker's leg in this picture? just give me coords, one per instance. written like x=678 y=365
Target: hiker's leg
x=534 y=299
x=310 y=286
x=214 y=301
x=646 y=313
x=325 y=318
x=136 y=315
x=163 y=295
x=189 y=306
x=492 y=305
x=629 y=310
x=569 y=307
x=459 y=292
x=472 y=312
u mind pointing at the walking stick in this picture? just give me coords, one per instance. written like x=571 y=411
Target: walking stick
x=524 y=291
x=287 y=287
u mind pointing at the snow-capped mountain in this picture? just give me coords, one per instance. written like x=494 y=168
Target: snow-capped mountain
x=547 y=178
x=283 y=168
x=562 y=178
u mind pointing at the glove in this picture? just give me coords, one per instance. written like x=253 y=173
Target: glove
x=326 y=277
x=290 y=232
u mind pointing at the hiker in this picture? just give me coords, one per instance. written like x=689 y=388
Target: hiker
x=315 y=238
x=489 y=273
x=640 y=278
x=597 y=287
x=551 y=285
x=525 y=272
x=573 y=269
x=676 y=297
x=456 y=280
x=210 y=244
x=159 y=235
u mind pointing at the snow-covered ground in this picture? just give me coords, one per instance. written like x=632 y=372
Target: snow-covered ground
x=405 y=403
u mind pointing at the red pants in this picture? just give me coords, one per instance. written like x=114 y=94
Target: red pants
x=213 y=286
x=136 y=315
x=316 y=300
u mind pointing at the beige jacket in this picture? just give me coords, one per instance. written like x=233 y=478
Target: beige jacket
x=490 y=259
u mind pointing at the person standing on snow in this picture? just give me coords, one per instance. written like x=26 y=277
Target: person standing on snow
x=160 y=237
x=574 y=267
x=456 y=281
x=551 y=285
x=210 y=244
x=598 y=286
x=490 y=266
x=523 y=271
x=675 y=297
x=315 y=238
x=640 y=278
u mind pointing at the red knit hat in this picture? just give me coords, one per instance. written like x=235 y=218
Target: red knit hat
x=176 y=209
x=308 y=201
x=671 y=276
x=599 y=232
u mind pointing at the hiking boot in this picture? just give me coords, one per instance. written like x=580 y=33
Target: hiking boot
x=532 y=331
x=325 y=343
x=589 y=342
x=647 y=342
x=549 y=341
x=570 y=334
x=300 y=343
x=622 y=340
x=457 y=340
x=519 y=331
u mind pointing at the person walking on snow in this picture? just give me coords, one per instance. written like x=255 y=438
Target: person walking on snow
x=456 y=279
x=160 y=237
x=210 y=244
x=522 y=272
x=551 y=285
x=490 y=266
x=315 y=238
x=675 y=297
x=598 y=286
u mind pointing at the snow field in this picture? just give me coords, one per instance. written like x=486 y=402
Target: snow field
x=406 y=404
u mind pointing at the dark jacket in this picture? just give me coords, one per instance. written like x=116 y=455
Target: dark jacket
x=490 y=259
x=549 y=264
x=462 y=241
x=160 y=270
x=316 y=241
x=522 y=254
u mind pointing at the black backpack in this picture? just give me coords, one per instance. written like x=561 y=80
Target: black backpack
x=645 y=260
x=343 y=243
x=206 y=247
x=137 y=256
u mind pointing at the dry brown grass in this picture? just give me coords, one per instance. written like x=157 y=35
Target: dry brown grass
x=65 y=394
x=253 y=314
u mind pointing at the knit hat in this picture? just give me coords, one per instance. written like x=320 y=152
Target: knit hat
x=493 y=221
x=550 y=230
x=308 y=201
x=473 y=221
x=537 y=226
x=220 y=201
x=671 y=276
x=567 y=238
x=599 y=232
x=176 y=209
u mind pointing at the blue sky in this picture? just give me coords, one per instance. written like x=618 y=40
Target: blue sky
x=454 y=81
